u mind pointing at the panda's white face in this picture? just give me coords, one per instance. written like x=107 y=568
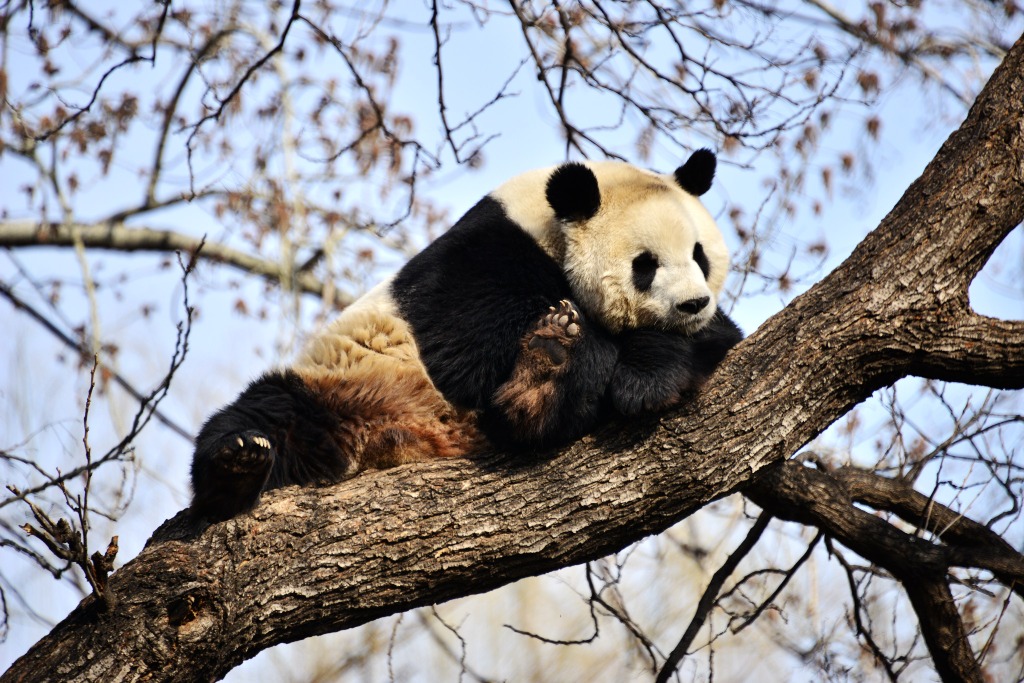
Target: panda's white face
x=649 y=256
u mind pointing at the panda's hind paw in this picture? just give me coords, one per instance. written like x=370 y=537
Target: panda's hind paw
x=245 y=454
x=556 y=332
x=229 y=472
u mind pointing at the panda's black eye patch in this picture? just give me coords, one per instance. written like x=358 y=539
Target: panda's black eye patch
x=702 y=260
x=644 y=267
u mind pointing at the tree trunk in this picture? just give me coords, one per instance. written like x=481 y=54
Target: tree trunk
x=195 y=603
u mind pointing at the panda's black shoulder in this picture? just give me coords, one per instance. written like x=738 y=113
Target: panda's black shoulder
x=486 y=228
x=483 y=249
x=470 y=295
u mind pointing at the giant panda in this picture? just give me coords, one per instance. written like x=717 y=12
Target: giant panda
x=566 y=295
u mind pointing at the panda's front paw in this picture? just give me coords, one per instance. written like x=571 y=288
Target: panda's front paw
x=531 y=397
x=229 y=472
x=556 y=332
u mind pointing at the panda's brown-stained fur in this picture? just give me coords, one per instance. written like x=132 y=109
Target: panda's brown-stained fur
x=383 y=423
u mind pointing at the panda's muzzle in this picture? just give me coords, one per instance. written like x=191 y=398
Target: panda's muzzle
x=693 y=306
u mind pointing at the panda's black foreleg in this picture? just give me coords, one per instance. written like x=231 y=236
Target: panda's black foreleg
x=657 y=369
x=555 y=390
x=246 y=446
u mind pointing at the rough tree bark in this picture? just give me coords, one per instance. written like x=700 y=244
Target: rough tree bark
x=196 y=602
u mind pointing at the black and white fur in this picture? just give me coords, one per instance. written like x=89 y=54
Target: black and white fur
x=566 y=295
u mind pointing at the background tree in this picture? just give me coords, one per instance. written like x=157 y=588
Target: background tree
x=316 y=145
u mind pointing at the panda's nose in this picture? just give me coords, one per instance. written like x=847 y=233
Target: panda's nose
x=693 y=306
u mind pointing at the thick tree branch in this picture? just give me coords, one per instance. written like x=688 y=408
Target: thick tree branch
x=196 y=602
x=943 y=629
x=975 y=349
x=913 y=507
x=826 y=500
x=971 y=544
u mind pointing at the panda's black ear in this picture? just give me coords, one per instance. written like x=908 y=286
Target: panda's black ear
x=696 y=174
x=572 y=192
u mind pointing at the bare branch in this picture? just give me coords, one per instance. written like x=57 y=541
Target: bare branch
x=798 y=493
x=117 y=236
x=710 y=595
x=133 y=58
x=147 y=409
x=242 y=80
x=858 y=611
x=83 y=351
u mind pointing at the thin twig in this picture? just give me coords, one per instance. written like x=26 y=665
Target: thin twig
x=710 y=595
